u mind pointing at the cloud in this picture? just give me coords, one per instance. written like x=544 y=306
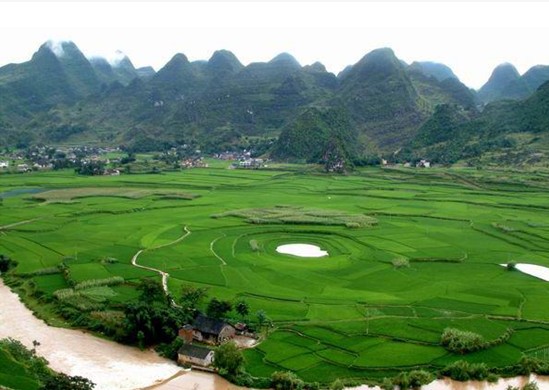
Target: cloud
x=56 y=46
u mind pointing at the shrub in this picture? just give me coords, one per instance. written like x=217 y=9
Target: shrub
x=464 y=371
x=65 y=294
x=254 y=245
x=460 y=341
x=6 y=263
x=413 y=379
x=529 y=364
x=229 y=359
x=112 y=281
x=400 y=262
x=45 y=271
x=286 y=380
x=528 y=386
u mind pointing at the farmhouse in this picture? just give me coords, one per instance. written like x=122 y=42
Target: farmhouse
x=423 y=164
x=4 y=164
x=211 y=330
x=195 y=355
x=23 y=168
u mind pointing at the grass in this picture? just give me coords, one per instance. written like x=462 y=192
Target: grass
x=300 y=216
x=411 y=253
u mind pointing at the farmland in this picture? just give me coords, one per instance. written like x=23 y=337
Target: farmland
x=411 y=253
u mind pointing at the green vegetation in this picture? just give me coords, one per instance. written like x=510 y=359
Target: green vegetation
x=300 y=216
x=505 y=133
x=229 y=359
x=360 y=314
x=293 y=112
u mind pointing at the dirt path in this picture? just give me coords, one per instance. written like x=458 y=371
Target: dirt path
x=163 y=274
x=212 y=249
x=12 y=225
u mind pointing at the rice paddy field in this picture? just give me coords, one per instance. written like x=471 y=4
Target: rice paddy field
x=411 y=253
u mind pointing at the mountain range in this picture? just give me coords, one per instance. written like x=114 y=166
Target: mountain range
x=378 y=106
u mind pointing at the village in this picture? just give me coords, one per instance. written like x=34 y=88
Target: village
x=111 y=161
x=115 y=161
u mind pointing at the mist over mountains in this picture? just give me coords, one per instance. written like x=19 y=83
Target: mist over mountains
x=379 y=106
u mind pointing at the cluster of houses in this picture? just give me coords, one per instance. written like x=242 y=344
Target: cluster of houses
x=207 y=331
x=194 y=162
x=249 y=163
x=420 y=164
x=44 y=157
x=242 y=159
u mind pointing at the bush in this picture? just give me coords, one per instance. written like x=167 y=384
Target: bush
x=460 y=341
x=254 y=245
x=6 y=263
x=400 y=263
x=229 y=358
x=464 y=371
x=528 y=386
x=337 y=385
x=413 y=379
x=112 y=281
x=528 y=365
x=286 y=380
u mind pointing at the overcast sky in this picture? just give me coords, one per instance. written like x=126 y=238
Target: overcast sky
x=470 y=37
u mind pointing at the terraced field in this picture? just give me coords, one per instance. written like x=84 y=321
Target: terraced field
x=412 y=252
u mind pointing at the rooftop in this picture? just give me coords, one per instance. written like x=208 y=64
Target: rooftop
x=195 y=351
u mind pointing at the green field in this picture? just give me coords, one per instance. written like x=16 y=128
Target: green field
x=354 y=314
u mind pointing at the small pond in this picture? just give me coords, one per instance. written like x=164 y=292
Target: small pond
x=20 y=191
x=301 y=250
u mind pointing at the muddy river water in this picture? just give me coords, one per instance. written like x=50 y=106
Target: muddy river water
x=114 y=366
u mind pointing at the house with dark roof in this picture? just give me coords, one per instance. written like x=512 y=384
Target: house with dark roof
x=212 y=330
x=195 y=355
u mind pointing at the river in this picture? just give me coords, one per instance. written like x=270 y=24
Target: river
x=108 y=364
x=114 y=366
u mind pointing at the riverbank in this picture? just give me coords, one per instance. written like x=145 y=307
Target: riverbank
x=73 y=352
x=119 y=367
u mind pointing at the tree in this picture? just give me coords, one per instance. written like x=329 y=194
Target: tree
x=91 y=168
x=242 y=308
x=6 y=263
x=151 y=290
x=461 y=341
x=413 y=379
x=217 y=308
x=337 y=385
x=66 y=382
x=229 y=358
x=192 y=296
x=286 y=380
x=146 y=323
x=261 y=317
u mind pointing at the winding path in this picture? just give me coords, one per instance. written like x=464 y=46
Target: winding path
x=212 y=249
x=163 y=274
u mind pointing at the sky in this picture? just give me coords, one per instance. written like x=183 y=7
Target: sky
x=470 y=37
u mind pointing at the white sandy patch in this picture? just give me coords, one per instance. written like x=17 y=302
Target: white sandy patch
x=301 y=250
x=538 y=271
